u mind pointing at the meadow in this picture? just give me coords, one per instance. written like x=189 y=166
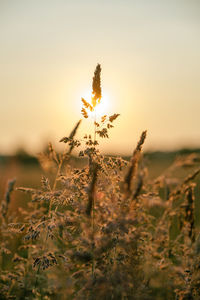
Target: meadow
x=100 y=226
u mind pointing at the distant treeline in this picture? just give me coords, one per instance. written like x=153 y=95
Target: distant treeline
x=25 y=158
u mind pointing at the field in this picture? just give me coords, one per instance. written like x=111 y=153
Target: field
x=100 y=226
x=143 y=240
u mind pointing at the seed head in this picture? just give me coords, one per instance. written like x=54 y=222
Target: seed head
x=96 y=86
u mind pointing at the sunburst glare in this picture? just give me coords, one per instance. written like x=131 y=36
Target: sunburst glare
x=102 y=108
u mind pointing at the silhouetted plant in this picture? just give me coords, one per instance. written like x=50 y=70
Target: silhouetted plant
x=102 y=231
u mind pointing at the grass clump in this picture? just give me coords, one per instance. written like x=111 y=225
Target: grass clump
x=103 y=231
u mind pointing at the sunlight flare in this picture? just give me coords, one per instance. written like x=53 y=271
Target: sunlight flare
x=101 y=108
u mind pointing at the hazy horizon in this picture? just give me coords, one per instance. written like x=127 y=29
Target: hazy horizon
x=150 y=57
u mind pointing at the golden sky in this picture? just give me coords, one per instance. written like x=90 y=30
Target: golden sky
x=149 y=51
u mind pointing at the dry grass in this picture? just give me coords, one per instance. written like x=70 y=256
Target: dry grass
x=102 y=231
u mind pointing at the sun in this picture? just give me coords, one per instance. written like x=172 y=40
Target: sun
x=102 y=108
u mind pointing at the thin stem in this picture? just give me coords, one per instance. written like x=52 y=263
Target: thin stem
x=55 y=180
x=95 y=124
x=36 y=277
x=93 y=244
x=57 y=174
x=93 y=213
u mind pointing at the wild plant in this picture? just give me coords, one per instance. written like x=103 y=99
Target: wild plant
x=104 y=230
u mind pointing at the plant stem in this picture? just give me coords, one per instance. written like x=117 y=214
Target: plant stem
x=93 y=213
x=55 y=180
x=94 y=125
x=93 y=244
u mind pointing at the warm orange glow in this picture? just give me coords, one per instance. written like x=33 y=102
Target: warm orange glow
x=102 y=108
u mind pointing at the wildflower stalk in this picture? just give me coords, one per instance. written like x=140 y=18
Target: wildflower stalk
x=96 y=86
x=134 y=162
x=64 y=157
x=4 y=209
x=96 y=97
x=6 y=201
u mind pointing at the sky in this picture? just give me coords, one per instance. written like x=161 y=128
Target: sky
x=149 y=51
